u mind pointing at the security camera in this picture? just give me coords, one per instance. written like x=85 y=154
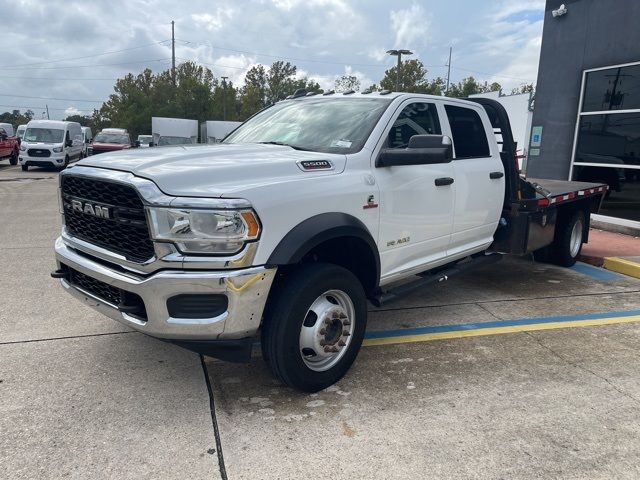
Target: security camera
x=560 y=11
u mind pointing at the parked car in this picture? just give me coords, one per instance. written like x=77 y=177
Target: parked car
x=173 y=131
x=87 y=138
x=9 y=145
x=309 y=209
x=48 y=143
x=145 y=140
x=110 y=140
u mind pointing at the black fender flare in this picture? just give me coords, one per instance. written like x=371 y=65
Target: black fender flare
x=318 y=229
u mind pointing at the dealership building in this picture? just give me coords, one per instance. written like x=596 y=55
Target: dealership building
x=586 y=120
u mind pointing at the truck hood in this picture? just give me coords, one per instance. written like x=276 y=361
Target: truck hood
x=215 y=170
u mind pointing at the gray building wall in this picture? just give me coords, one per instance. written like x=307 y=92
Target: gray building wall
x=594 y=33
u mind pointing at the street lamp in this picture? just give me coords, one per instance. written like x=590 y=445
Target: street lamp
x=399 y=53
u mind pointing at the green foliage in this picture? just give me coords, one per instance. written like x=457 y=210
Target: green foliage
x=413 y=79
x=470 y=86
x=16 y=118
x=84 y=120
x=524 y=88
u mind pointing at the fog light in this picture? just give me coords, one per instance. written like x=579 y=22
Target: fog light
x=197 y=306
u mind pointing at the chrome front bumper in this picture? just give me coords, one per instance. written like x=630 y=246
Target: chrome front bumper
x=246 y=290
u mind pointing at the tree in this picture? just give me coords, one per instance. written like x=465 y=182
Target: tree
x=16 y=118
x=470 y=86
x=524 y=88
x=345 y=83
x=413 y=79
x=84 y=120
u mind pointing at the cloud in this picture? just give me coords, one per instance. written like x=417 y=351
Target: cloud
x=215 y=21
x=72 y=111
x=410 y=26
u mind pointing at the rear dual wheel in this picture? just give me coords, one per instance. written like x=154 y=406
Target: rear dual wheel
x=314 y=326
x=566 y=246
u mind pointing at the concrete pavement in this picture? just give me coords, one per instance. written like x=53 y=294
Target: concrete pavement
x=81 y=396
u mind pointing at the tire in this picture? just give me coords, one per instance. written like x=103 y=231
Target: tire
x=13 y=159
x=24 y=168
x=65 y=164
x=568 y=242
x=542 y=255
x=319 y=309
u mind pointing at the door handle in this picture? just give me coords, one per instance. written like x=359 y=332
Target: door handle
x=495 y=175
x=441 y=182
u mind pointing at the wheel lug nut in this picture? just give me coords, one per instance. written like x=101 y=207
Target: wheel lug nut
x=323 y=343
x=341 y=343
x=346 y=323
x=323 y=331
x=342 y=315
x=345 y=333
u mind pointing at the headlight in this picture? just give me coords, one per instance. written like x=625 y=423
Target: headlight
x=204 y=231
x=57 y=149
x=23 y=147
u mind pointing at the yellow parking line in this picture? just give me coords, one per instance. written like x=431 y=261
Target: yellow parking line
x=478 y=332
x=621 y=265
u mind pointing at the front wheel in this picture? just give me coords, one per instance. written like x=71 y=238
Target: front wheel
x=568 y=241
x=314 y=326
x=24 y=168
x=13 y=159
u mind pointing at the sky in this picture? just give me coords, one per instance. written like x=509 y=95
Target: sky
x=67 y=55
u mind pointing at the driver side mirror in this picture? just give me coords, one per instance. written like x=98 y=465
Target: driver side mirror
x=68 y=143
x=422 y=150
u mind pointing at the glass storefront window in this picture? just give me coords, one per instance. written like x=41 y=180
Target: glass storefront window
x=623 y=198
x=615 y=88
x=612 y=138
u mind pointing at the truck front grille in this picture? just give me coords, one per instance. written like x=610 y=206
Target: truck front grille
x=123 y=229
x=36 y=152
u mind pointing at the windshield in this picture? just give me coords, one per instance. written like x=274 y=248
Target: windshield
x=44 y=135
x=174 y=141
x=116 y=138
x=20 y=132
x=336 y=125
x=145 y=138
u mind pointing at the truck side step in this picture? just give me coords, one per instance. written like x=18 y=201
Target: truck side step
x=436 y=275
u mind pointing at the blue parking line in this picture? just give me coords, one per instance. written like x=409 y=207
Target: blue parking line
x=595 y=272
x=498 y=323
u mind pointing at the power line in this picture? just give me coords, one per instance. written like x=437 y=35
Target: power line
x=85 y=56
x=42 y=107
x=51 y=98
x=76 y=79
x=491 y=74
x=95 y=65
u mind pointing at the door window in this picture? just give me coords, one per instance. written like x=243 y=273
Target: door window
x=415 y=119
x=469 y=136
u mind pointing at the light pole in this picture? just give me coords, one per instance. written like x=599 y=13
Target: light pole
x=224 y=97
x=399 y=53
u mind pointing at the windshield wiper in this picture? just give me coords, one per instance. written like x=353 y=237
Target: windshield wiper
x=283 y=144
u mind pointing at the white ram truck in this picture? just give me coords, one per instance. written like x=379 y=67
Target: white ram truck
x=309 y=209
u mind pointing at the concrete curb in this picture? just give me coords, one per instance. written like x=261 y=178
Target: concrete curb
x=621 y=265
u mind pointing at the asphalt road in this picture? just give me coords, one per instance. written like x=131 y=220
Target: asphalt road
x=518 y=370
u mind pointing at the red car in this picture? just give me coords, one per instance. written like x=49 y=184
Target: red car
x=9 y=146
x=110 y=140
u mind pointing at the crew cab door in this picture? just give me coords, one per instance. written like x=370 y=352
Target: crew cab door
x=416 y=216
x=479 y=178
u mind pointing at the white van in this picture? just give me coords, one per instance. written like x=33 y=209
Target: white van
x=20 y=130
x=50 y=143
x=174 y=131
x=87 y=138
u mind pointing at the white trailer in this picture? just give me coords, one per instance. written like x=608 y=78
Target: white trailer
x=174 y=131
x=213 y=131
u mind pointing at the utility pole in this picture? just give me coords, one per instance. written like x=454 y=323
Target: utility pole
x=224 y=97
x=446 y=90
x=173 y=53
x=47 y=112
x=399 y=53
